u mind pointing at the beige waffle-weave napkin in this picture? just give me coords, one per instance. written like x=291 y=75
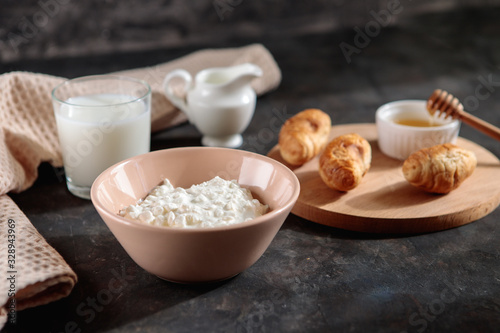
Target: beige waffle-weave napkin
x=28 y=137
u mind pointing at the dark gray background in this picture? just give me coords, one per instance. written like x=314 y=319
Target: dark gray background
x=46 y=29
x=312 y=278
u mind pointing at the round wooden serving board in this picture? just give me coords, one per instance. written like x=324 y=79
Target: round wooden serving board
x=385 y=202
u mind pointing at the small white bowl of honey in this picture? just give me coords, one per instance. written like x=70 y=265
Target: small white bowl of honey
x=406 y=126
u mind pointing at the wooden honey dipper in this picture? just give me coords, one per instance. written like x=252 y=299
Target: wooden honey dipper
x=446 y=103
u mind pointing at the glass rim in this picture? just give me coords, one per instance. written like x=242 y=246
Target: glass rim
x=101 y=77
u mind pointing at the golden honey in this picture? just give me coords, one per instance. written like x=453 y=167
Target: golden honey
x=416 y=122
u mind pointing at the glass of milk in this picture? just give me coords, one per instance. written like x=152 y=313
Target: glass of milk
x=101 y=120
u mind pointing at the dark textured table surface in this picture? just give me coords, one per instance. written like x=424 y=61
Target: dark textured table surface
x=312 y=278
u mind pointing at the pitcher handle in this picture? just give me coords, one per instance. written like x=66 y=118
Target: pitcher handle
x=179 y=102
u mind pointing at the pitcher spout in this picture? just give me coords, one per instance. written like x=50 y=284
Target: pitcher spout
x=229 y=78
x=243 y=74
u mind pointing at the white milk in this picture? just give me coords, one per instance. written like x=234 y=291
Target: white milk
x=98 y=134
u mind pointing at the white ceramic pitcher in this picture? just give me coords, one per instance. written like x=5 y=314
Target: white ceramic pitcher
x=220 y=102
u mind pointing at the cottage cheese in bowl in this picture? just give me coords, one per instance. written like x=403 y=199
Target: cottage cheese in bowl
x=216 y=202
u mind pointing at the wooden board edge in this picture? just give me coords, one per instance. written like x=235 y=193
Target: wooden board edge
x=396 y=226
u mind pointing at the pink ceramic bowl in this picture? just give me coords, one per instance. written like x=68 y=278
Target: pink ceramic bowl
x=195 y=255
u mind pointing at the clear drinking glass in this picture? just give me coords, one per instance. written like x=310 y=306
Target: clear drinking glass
x=101 y=120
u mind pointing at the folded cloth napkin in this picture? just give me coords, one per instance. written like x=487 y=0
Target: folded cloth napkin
x=28 y=136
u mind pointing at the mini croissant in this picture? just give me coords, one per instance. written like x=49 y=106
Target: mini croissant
x=304 y=135
x=439 y=169
x=344 y=162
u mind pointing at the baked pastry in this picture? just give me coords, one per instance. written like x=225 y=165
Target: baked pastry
x=439 y=169
x=304 y=135
x=344 y=162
